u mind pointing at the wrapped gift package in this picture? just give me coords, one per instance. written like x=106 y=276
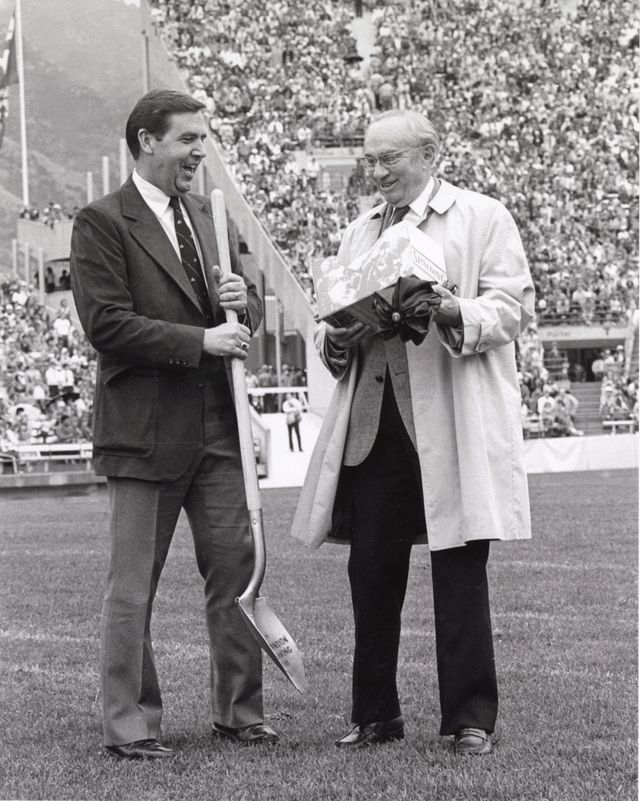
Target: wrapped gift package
x=344 y=293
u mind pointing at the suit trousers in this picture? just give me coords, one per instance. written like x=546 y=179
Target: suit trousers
x=385 y=494
x=143 y=519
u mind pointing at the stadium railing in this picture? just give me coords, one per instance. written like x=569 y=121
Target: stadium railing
x=25 y=457
x=623 y=425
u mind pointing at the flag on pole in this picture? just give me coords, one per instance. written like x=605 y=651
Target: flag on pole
x=8 y=72
x=8 y=63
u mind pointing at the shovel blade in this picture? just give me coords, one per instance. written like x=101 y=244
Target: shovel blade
x=274 y=639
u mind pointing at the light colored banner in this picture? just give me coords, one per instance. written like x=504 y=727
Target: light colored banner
x=566 y=454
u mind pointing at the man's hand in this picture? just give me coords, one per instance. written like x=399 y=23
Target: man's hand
x=348 y=336
x=447 y=310
x=228 y=339
x=232 y=291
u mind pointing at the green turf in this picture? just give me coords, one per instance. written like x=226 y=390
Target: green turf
x=564 y=610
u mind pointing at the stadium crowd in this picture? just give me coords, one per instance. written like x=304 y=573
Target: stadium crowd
x=537 y=108
x=48 y=369
x=50 y=215
x=47 y=372
x=47 y=375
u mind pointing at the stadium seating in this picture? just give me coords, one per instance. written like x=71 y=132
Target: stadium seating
x=536 y=109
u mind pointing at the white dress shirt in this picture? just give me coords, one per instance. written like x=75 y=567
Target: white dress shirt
x=418 y=207
x=158 y=202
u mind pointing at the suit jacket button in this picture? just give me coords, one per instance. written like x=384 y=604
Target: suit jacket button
x=200 y=386
x=379 y=379
x=170 y=361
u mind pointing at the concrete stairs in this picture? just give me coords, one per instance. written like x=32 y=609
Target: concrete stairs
x=588 y=414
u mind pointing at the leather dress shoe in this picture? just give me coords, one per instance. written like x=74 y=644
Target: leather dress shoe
x=141 y=749
x=383 y=731
x=473 y=742
x=255 y=734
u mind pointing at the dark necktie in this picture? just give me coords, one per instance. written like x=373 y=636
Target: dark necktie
x=190 y=260
x=399 y=213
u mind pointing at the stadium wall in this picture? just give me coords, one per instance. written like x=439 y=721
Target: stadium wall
x=570 y=454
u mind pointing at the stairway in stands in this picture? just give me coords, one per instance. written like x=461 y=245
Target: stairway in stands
x=588 y=414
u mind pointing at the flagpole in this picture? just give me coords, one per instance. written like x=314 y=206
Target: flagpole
x=23 y=116
x=146 y=71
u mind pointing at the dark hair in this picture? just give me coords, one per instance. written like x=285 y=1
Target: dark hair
x=152 y=113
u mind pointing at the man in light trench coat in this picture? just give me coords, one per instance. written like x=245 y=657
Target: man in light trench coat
x=425 y=442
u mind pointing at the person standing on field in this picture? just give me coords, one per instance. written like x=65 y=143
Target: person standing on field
x=424 y=442
x=165 y=433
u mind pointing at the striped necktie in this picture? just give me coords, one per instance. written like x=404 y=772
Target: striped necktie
x=190 y=260
x=399 y=213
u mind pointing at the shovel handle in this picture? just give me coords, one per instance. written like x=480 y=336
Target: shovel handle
x=241 y=402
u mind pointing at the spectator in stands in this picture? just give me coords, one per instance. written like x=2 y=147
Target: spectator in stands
x=546 y=409
x=22 y=425
x=569 y=401
x=49 y=280
x=62 y=328
x=609 y=364
x=613 y=405
x=65 y=281
x=54 y=379
x=8 y=445
x=597 y=366
x=562 y=423
x=577 y=204
x=252 y=383
x=67 y=381
x=287 y=379
x=67 y=429
x=266 y=379
x=38 y=395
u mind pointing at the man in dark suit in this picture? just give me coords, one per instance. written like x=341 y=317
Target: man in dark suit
x=165 y=432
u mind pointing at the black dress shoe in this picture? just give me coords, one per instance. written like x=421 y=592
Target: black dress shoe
x=373 y=734
x=141 y=749
x=255 y=734
x=473 y=742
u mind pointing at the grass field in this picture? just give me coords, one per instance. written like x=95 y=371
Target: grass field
x=565 y=614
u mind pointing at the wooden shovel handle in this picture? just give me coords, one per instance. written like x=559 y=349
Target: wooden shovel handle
x=241 y=401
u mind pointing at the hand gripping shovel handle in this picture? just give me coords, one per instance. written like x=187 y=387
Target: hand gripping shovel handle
x=261 y=619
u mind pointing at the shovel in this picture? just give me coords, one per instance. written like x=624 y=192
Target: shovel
x=256 y=612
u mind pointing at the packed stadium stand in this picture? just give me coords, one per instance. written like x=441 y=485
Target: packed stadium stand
x=537 y=107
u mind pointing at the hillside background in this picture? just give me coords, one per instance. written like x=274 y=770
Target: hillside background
x=83 y=73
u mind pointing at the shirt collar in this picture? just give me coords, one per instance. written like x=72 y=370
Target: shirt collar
x=152 y=195
x=419 y=205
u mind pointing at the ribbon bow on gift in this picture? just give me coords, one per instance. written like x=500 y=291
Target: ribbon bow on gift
x=410 y=311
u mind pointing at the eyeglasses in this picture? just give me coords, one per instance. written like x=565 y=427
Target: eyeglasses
x=386 y=160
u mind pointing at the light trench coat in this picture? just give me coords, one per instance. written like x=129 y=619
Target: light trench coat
x=465 y=400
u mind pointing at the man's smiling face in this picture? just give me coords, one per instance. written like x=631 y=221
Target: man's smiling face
x=402 y=181
x=175 y=156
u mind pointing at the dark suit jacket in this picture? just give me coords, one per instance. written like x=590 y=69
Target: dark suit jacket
x=140 y=313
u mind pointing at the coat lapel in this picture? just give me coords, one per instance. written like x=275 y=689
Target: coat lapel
x=149 y=234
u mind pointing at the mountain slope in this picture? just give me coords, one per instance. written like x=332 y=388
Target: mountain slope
x=82 y=76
